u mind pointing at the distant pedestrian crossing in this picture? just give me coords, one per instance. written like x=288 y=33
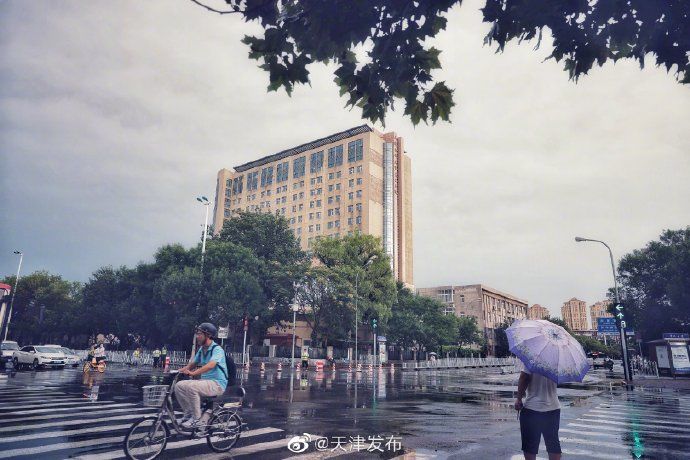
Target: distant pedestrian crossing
x=50 y=424
x=638 y=424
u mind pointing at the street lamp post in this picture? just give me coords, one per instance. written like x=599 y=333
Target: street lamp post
x=6 y=326
x=294 y=327
x=203 y=200
x=624 y=346
x=364 y=266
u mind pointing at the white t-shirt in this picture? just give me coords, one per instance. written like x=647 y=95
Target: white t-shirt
x=541 y=393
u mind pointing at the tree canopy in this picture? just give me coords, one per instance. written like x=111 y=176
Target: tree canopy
x=398 y=62
x=655 y=285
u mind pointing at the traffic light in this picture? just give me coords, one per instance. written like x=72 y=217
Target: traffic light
x=373 y=323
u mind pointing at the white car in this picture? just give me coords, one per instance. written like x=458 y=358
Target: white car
x=7 y=348
x=71 y=358
x=35 y=356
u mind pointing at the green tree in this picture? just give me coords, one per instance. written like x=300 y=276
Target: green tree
x=419 y=321
x=399 y=59
x=655 y=285
x=468 y=331
x=44 y=304
x=360 y=260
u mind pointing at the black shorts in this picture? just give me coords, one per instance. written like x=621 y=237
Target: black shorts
x=534 y=424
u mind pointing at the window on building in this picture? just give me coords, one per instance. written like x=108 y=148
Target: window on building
x=355 y=151
x=359 y=168
x=359 y=220
x=337 y=211
x=316 y=162
x=335 y=156
x=349 y=221
x=351 y=183
x=331 y=176
x=228 y=183
x=330 y=187
x=330 y=200
x=311 y=228
x=318 y=227
x=299 y=219
x=330 y=224
x=294 y=208
x=318 y=203
x=237 y=185
x=337 y=198
x=337 y=224
x=318 y=215
x=350 y=208
x=282 y=172
x=351 y=170
x=294 y=197
x=298 y=166
x=267 y=176
x=301 y=206
x=359 y=181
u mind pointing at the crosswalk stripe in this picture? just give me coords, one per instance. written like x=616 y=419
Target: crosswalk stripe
x=62 y=423
x=78 y=402
x=61 y=446
x=651 y=408
x=616 y=431
x=21 y=390
x=65 y=409
x=664 y=452
x=71 y=415
x=182 y=444
x=4 y=404
x=637 y=416
x=57 y=434
x=627 y=424
x=589 y=453
x=247 y=450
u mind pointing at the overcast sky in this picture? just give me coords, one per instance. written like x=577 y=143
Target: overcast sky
x=114 y=118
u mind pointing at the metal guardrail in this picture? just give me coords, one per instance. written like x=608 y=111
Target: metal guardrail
x=456 y=363
x=177 y=358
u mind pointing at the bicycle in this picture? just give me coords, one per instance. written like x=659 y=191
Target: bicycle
x=148 y=437
x=93 y=364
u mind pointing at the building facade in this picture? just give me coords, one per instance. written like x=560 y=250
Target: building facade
x=536 y=311
x=489 y=306
x=599 y=310
x=574 y=313
x=358 y=180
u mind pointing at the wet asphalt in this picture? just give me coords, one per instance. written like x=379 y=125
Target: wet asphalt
x=51 y=414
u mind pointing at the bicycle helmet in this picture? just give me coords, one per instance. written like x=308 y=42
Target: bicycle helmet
x=208 y=329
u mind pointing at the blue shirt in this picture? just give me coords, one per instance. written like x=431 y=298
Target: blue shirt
x=216 y=374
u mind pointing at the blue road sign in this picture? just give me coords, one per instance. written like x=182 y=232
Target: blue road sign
x=676 y=335
x=607 y=326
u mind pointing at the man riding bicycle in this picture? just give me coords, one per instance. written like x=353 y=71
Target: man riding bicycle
x=208 y=364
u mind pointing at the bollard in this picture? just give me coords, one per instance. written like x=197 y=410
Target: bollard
x=319 y=366
x=392 y=367
x=280 y=367
x=167 y=361
x=359 y=367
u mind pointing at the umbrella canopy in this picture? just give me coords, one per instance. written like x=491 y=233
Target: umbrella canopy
x=547 y=349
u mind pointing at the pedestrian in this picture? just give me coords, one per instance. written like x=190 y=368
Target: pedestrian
x=540 y=414
x=135 y=356
x=164 y=354
x=156 y=357
x=99 y=353
x=305 y=357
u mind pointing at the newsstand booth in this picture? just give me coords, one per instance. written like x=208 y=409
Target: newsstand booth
x=671 y=353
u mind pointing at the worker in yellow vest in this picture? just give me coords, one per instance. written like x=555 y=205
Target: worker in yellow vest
x=156 y=357
x=305 y=357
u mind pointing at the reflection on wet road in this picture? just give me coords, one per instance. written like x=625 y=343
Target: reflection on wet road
x=440 y=414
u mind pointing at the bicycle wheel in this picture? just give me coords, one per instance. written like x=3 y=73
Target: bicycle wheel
x=224 y=431
x=144 y=440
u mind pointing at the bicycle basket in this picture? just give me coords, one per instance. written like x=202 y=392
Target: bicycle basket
x=154 y=395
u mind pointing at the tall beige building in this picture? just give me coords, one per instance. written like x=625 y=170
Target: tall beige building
x=536 y=311
x=574 y=314
x=358 y=180
x=599 y=310
x=489 y=306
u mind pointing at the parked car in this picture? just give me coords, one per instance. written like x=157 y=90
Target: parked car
x=72 y=359
x=35 y=356
x=597 y=359
x=7 y=348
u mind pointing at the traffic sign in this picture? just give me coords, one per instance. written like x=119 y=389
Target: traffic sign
x=675 y=335
x=607 y=326
x=619 y=307
x=223 y=332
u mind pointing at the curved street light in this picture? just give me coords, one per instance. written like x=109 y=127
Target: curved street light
x=624 y=347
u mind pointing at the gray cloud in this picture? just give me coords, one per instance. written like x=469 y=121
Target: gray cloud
x=113 y=119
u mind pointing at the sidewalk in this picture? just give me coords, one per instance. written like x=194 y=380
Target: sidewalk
x=679 y=383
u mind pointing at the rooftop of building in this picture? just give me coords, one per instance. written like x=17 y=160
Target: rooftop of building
x=478 y=286
x=304 y=147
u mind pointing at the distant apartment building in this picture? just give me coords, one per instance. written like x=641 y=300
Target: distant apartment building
x=574 y=313
x=536 y=311
x=599 y=310
x=358 y=180
x=489 y=306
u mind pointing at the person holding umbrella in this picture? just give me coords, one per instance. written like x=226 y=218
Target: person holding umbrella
x=550 y=355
